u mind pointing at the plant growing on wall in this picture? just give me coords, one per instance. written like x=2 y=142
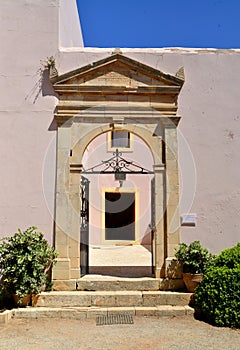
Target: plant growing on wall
x=25 y=259
x=50 y=64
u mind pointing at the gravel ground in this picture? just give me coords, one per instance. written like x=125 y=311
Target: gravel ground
x=165 y=333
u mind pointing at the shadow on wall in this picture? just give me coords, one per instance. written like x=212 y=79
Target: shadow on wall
x=42 y=87
x=146 y=242
x=46 y=85
x=48 y=90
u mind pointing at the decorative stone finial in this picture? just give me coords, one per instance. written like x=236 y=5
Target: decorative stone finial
x=180 y=73
x=117 y=50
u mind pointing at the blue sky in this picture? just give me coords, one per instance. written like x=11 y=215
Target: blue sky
x=160 y=23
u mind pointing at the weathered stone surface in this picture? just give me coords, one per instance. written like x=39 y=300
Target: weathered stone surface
x=64 y=299
x=6 y=316
x=74 y=313
x=43 y=312
x=174 y=298
x=173 y=268
x=154 y=298
x=128 y=298
x=93 y=312
x=171 y=284
x=121 y=310
x=111 y=299
x=167 y=310
x=103 y=299
x=66 y=285
x=118 y=284
x=96 y=311
x=146 y=311
x=165 y=298
x=189 y=310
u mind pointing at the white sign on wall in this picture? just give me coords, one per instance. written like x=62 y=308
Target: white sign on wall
x=188 y=219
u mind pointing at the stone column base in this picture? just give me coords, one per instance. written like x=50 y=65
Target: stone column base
x=61 y=271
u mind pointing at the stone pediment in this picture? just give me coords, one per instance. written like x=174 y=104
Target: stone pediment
x=119 y=73
x=116 y=86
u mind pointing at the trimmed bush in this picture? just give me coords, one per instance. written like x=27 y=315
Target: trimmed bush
x=25 y=259
x=218 y=295
x=229 y=257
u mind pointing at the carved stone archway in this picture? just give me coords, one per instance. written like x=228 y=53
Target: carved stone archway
x=116 y=93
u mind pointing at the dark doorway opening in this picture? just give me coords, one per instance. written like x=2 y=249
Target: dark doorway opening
x=120 y=216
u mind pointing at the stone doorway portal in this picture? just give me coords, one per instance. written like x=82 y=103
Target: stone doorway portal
x=116 y=93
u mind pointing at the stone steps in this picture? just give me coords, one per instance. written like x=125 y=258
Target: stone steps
x=93 y=312
x=90 y=304
x=111 y=299
x=106 y=283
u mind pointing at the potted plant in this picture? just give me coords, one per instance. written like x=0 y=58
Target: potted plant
x=25 y=259
x=195 y=260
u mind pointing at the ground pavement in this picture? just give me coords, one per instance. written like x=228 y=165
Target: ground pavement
x=157 y=333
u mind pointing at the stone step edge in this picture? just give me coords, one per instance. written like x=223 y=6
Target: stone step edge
x=6 y=316
x=114 y=292
x=111 y=299
x=121 y=283
x=93 y=312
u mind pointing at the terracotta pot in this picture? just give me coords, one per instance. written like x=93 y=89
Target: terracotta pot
x=192 y=280
x=22 y=302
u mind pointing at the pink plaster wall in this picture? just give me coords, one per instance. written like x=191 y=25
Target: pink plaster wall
x=28 y=34
x=209 y=132
x=97 y=151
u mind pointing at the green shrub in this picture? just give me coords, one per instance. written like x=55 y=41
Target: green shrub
x=229 y=257
x=218 y=295
x=25 y=259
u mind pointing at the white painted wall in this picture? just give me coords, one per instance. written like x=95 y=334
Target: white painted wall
x=209 y=129
x=70 y=34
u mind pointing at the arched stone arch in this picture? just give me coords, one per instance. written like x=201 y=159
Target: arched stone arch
x=144 y=133
x=80 y=121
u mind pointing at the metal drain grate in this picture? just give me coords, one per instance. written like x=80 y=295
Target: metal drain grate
x=114 y=319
